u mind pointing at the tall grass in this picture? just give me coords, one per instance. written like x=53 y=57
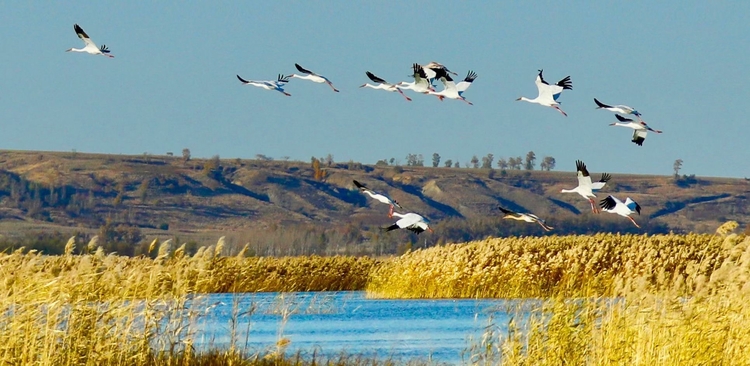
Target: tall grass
x=583 y=265
x=104 y=309
x=605 y=299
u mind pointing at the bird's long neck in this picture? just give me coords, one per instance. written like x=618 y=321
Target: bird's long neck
x=398 y=214
x=527 y=100
x=75 y=50
x=570 y=190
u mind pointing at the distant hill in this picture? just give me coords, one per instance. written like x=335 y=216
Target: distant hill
x=41 y=190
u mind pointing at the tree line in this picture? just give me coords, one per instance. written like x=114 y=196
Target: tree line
x=485 y=162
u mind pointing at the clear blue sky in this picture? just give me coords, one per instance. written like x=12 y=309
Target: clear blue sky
x=172 y=85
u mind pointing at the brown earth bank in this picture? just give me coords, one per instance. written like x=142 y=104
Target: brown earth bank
x=314 y=204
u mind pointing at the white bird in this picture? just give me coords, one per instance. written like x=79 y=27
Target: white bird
x=420 y=84
x=383 y=85
x=613 y=205
x=622 y=109
x=433 y=69
x=410 y=221
x=277 y=84
x=640 y=129
x=548 y=94
x=90 y=46
x=585 y=187
x=451 y=90
x=309 y=75
x=381 y=197
x=528 y=217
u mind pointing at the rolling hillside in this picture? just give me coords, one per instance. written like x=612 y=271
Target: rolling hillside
x=68 y=189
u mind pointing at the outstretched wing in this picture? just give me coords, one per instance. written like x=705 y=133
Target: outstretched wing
x=282 y=78
x=541 y=78
x=360 y=185
x=623 y=119
x=565 y=83
x=374 y=78
x=601 y=105
x=581 y=168
x=419 y=72
x=639 y=136
x=415 y=229
x=389 y=228
x=83 y=36
x=302 y=69
x=506 y=211
x=466 y=83
x=243 y=80
x=608 y=203
x=637 y=207
x=602 y=181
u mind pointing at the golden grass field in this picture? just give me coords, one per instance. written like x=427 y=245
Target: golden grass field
x=597 y=300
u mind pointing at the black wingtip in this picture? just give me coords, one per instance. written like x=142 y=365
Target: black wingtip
x=607 y=203
x=390 y=228
x=242 y=80
x=600 y=104
x=581 y=167
x=358 y=184
x=622 y=119
x=505 y=211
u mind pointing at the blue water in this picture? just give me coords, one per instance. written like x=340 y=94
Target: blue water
x=440 y=330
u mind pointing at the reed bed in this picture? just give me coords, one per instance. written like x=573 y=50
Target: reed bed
x=98 y=309
x=600 y=300
x=569 y=266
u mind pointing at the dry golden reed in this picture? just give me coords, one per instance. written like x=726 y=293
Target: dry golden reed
x=98 y=309
x=599 y=300
x=585 y=265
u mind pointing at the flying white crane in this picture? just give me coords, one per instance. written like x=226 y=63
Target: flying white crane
x=548 y=94
x=382 y=85
x=640 y=129
x=420 y=84
x=585 y=187
x=410 y=221
x=613 y=205
x=90 y=46
x=451 y=90
x=277 y=84
x=528 y=217
x=380 y=197
x=622 y=109
x=309 y=75
x=433 y=69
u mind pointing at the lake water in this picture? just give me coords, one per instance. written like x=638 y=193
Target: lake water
x=441 y=330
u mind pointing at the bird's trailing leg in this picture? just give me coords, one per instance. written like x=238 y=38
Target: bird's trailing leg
x=544 y=226
x=402 y=93
x=560 y=110
x=593 y=206
x=331 y=85
x=390 y=212
x=634 y=223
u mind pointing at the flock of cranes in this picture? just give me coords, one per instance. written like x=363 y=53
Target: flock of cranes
x=424 y=78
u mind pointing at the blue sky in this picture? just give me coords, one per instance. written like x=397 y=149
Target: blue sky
x=172 y=83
